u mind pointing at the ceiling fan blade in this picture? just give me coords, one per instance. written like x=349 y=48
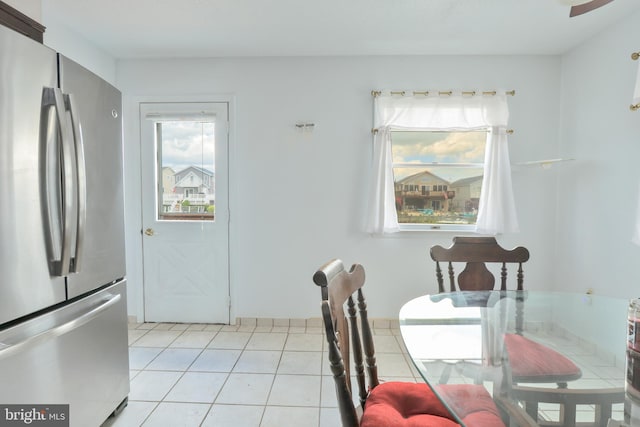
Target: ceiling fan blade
x=587 y=7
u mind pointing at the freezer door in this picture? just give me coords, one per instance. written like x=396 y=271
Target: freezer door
x=27 y=70
x=96 y=123
x=76 y=355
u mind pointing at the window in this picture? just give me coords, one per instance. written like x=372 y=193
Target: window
x=186 y=161
x=437 y=176
x=435 y=118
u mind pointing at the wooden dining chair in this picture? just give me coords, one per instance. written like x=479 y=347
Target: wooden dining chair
x=530 y=361
x=383 y=404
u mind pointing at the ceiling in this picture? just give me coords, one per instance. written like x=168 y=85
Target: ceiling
x=215 y=28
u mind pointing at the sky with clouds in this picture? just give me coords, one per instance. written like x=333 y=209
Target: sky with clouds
x=186 y=143
x=439 y=147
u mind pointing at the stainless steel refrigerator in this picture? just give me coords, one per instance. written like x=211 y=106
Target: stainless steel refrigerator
x=63 y=321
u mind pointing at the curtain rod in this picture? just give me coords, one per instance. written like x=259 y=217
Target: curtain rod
x=635 y=56
x=375 y=131
x=376 y=93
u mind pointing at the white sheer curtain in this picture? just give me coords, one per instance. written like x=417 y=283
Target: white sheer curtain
x=497 y=209
x=636 y=90
x=383 y=217
x=496 y=213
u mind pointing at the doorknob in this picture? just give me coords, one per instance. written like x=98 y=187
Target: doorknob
x=149 y=232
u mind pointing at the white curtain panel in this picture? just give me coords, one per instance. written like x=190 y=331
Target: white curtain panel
x=497 y=208
x=636 y=90
x=383 y=217
x=443 y=113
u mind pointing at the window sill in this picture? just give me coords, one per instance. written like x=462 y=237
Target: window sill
x=455 y=228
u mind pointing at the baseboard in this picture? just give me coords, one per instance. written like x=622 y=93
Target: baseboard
x=314 y=322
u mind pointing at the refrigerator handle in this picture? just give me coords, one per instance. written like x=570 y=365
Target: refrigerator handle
x=81 y=184
x=69 y=179
x=23 y=342
x=51 y=196
x=59 y=179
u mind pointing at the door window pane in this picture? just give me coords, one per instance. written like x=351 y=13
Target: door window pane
x=438 y=176
x=186 y=170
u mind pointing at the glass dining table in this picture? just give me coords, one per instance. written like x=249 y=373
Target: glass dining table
x=459 y=338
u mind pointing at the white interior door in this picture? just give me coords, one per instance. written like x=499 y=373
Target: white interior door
x=184 y=164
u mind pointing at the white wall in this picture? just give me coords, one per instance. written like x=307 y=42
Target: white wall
x=298 y=201
x=598 y=195
x=62 y=39
x=31 y=8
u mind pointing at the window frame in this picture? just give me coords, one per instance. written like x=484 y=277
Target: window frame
x=443 y=111
x=403 y=227
x=164 y=212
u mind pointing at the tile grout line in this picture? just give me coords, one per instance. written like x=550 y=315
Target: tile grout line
x=310 y=330
x=266 y=403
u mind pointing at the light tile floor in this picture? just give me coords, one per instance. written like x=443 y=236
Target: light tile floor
x=265 y=376
x=240 y=376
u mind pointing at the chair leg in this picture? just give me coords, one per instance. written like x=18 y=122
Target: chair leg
x=445 y=375
x=603 y=414
x=568 y=414
x=532 y=409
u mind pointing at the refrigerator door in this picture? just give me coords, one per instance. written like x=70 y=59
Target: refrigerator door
x=96 y=123
x=75 y=355
x=27 y=70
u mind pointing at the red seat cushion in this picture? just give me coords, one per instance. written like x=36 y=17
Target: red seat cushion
x=400 y=404
x=472 y=403
x=533 y=362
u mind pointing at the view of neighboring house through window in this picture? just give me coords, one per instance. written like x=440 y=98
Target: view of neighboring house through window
x=186 y=165
x=437 y=176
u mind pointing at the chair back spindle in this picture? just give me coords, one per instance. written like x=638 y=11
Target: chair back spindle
x=348 y=414
x=357 y=350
